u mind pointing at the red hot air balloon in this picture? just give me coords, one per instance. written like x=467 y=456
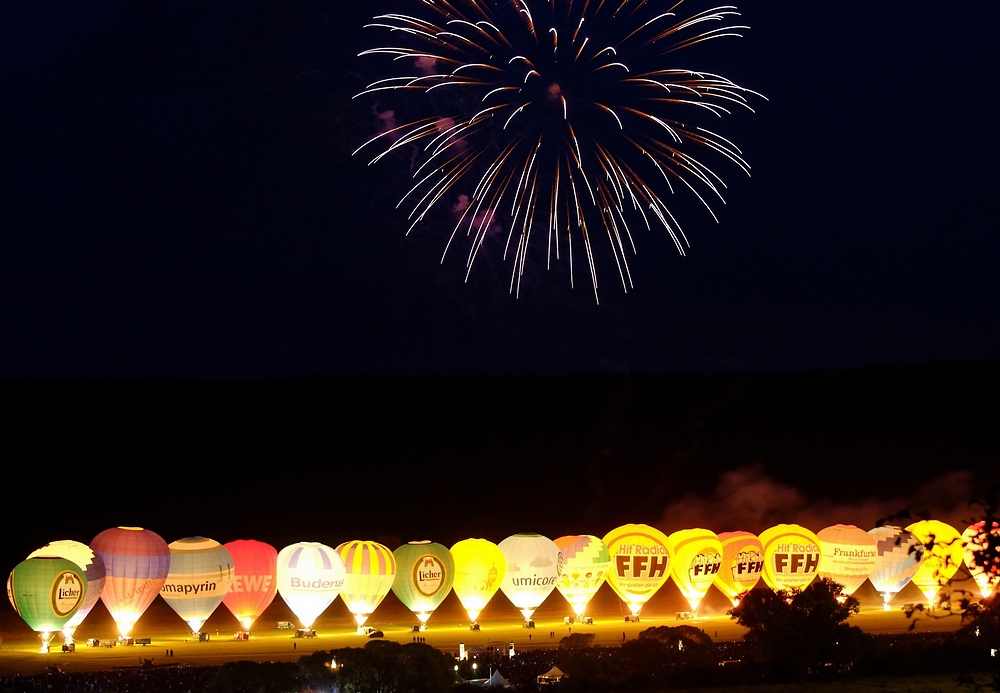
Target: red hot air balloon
x=255 y=579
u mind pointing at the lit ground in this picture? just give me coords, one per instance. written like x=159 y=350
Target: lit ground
x=500 y=622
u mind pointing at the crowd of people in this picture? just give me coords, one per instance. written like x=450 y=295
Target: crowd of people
x=138 y=680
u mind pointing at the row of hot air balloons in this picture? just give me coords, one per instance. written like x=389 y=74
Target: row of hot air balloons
x=126 y=567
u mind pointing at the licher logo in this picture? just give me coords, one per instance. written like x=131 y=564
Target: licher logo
x=428 y=575
x=67 y=593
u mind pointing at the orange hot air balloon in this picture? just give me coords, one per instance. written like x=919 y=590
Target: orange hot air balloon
x=986 y=571
x=791 y=556
x=742 y=564
x=847 y=555
x=640 y=563
x=255 y=579
x=696 y=564
x=943 y=554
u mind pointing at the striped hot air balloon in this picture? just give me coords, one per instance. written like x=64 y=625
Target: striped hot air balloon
x=310 y=576
x=201 y=571
x=137 y=561
x=371 y=570
x=897 y=558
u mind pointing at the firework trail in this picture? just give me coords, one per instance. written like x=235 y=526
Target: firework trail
x=555 y=118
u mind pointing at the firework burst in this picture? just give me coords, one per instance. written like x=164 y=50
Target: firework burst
x=559 y=122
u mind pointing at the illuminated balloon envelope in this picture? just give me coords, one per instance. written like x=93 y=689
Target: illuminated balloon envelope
x=137 y=562
x=943 y=554
x=847 y=555
x=46 y=592
x=425 y=572
x=697 y=560
x=255 y=579
x=640 y=563
x=985 y=571
x=479 y=569
x=371 y=570
x=586 y=562
x=93 y=570
x=310 y=576
x=742 y=564
x=534 y=565
x=791 y=557
x=201 y=571
x=897 y=559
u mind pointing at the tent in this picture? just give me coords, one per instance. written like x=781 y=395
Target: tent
x=553 y=675
x=496 y=681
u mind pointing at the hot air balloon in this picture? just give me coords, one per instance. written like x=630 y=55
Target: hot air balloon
x=976 y=541
x=943 y=554
x=93 y=570
x=586 y=562
x=479 y=568
x=255 y=579
x=897 y=559
x=697 y=560
x=640 y=563
x=310 y=576
x=46 y=591
x=137 y=561
x=201 y=571
x=847 y=555
x=534 y=564
x=791 y=557
x=371 y=570
x=742 y=563
x=425 y=572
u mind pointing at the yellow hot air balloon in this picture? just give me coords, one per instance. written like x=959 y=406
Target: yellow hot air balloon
x=640 y=563
x=847 y=555
x=791 y=556
x=585 y=568
x=697 y=560
x=480 y=567
x=371 y=569
x=742 y=564
x=943 y=554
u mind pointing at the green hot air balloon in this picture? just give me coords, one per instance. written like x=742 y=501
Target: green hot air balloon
x=46 y=592
x=424 y=573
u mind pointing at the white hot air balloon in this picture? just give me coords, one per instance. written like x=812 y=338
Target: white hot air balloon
x=534 y=564
x=310 y=576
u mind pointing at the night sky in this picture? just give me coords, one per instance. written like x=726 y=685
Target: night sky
x=179 y=203
x=179 y=200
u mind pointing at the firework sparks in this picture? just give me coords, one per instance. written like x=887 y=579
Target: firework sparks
x=557 y=118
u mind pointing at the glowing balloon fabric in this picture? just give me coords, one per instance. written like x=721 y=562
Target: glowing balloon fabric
x=897 y=559
x=255 y=579
x=586 y=562
x=93 y=570
x=697 y=559
x=46 y=592
x=201 y=571
x=847 y=555
x=479 y=568
x=742 y=563
x=425 y=572
x=943 y=554
x=371 y=570
x=791 y=556
x=137 y=562
x=975 y=541
x=310 y=576
x=534 y=564
x=640 y=563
